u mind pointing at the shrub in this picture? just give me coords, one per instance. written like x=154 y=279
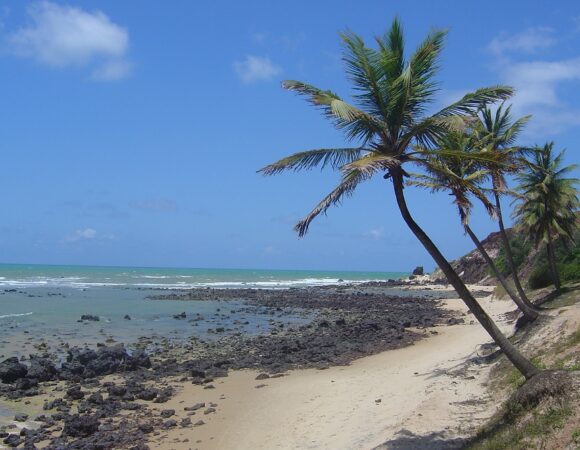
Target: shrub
x=540 y=277
x=570 y=272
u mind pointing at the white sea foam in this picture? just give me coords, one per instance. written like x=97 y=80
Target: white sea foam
x=5 y=316
x=142 y=282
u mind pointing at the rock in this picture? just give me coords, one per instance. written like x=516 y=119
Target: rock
x=87 y=363
x=418 y=271
x=24 y=384
x=185 y=422
x=127 y=317
x=11 y=370
x=167 y=413
x=90 y=317
x=42 y=369
x=194 y=407
x=209 y=411
x=262 y=376
x=75 y=393
x=147 y=394
x=12 y=440
x=21 y=417
x=170 y=423
x=80 y=426
x=117 y=391
x=146 y=428
x=181 y=315
x=199 y=423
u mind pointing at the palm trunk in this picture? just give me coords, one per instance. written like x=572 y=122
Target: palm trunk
x=552 y=262
x=528 y=312
x=509 y=256
x=527 y=369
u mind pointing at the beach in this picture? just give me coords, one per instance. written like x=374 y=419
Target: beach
x=347 y=364
x=339 y=365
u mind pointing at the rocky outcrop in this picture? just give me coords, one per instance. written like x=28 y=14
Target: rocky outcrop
x=472 y=267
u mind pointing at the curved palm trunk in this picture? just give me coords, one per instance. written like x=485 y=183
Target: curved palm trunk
x=528 y=312
x=527 y=369
x=552 y=262
x=510 y=258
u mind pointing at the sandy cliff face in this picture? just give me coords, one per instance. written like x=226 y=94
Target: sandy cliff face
x=472 y=267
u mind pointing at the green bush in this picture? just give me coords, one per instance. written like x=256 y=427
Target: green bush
x=570 y=272
x=540 y=277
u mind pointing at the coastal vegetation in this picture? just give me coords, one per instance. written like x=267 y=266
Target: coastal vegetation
x=548 y=203
x=464 y=178
x=392 y=129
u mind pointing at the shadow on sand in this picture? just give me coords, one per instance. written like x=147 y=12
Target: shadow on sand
x=407 y=440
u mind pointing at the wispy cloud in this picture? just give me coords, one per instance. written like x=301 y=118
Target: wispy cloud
x=528 y=41
x=256 y=68
x=375 y=233
x=86 y=234
x=62 y=36
x=538 y=82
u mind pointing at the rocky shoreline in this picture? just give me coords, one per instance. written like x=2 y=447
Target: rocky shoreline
x=105 y=397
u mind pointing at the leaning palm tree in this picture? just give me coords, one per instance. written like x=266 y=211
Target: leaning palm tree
x=548 y=202
x=392 y=98
x=463 y=178
x=497 y=133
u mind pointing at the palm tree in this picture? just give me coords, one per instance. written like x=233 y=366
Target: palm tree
x=498 y=133
x=549 y=201
x=463 y=178
x=392 y=95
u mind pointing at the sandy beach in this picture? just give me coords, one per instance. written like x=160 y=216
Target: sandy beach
x=428 y=387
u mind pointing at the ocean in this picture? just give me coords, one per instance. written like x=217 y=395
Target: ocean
x=43 y=303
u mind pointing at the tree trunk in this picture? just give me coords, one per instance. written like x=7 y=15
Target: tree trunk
x=509 y=256
x=527 y=369
x=552 y=262
x=528 y=312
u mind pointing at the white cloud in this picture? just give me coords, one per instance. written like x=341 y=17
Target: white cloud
x=539 y=83
x=81 y=235
x=375 y=233
x=528 y=41
x=256 y=68
x=66 y=36
x=112 y=71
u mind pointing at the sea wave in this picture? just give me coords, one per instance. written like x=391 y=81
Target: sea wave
x=142 y=282
x=5 y=316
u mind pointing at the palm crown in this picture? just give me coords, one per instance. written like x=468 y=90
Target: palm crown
x=388 y=118
x=449 y=170
x=548 y=200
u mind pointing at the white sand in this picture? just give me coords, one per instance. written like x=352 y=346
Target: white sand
x=337 y=408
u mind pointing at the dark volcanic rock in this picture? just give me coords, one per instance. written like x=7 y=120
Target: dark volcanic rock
x=418 y=270
x=87 y=363
x=75 y=393
x=80 y=426
x=11 y=370
x=12 y=440
x=42 y=369
x=90 y=317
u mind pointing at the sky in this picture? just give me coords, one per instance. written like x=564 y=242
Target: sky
x=131 y=132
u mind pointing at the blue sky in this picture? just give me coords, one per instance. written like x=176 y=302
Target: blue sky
x=131 y=131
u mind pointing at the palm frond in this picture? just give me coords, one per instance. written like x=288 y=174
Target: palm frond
x=333 y=157
x=349 y=182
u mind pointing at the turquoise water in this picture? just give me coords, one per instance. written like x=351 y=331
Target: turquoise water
x=16 y=275
x=45 y=303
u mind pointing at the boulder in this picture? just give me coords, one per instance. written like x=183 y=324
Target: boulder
x=42 y=369
x=11 y=370
x=80 y=426
x=418 y=271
